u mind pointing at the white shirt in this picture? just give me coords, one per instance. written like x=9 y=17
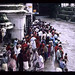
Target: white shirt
x=17 y=51
x=36 y=29
x=44 y=36
x=50 y=34
x=3 y=30
x=33 y=43
x=40 y=33
x=55 y=36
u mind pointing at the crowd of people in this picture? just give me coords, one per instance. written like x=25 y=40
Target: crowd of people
x=36 y=47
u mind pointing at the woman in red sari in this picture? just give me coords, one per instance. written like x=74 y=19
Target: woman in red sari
x=37 y=41
x=49 y=50
x=8 y=47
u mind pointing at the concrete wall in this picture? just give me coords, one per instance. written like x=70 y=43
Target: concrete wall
x=19 y=20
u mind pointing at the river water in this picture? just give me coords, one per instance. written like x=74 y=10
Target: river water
x=67 y=38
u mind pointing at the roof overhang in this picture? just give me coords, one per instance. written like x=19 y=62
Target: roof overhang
x=13 y=11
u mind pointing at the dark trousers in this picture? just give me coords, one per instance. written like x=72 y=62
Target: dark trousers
x=40 y=38
x=46 y=55
x=21 y=66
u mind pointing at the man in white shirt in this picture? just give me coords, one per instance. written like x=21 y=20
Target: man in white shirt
x=41 y=63
x=40 y=33
x=17 y=51
x=43 y=35
x=36 y=29
x=58 y=55
x=33 y=43
x=3 y=31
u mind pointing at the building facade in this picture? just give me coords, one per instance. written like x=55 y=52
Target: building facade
x=18 y=17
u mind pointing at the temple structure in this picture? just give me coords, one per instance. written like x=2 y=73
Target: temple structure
x=19 y=19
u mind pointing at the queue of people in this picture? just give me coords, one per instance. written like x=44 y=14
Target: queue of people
x=36 y=47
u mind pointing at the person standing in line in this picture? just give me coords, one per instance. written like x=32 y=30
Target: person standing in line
x=12 y=63
x=37 y=41
x=28 y=55
x=24 y=45
x=56 y=47
x=8 y=47
x=62 y=64
x=20 y=60
x=40 y=62
x=65 y=58
x=3 y=31
x=40 y=33
x=35 y=58
x=25 y=61
x=58 y=55
x=16 y=53
x=45 y=53
x=62 y=52
x=15 y=41
x=49 y=50
x=43 y=36
x=47 y=38
x=4 y=62
x=33 y=42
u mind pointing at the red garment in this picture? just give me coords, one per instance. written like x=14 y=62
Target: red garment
x=25 y=57
x=28 y=55
x=43 y=45
x=49 y=46
x=56 y=47
x=34 y=33
x=37 y=42
x=8 y=48
x=15 y=57
x=27 y=40
x=24 y=45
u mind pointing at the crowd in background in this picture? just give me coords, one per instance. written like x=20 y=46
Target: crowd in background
x=36 y=47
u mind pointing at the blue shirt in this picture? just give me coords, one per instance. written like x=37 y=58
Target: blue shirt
x=62 y=64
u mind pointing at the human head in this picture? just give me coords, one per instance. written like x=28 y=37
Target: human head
x=56 y=44
x=65 y=53
x=66 y=70
x=8 y=44
x=4 y=55
x=21 y=51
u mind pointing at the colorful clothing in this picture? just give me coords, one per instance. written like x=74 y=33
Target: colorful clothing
x=49 y=50
x=12 y=64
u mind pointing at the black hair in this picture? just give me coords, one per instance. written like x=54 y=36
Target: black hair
x=65 y=53
x=21 y=51
x=8 y=44
x=4 y=55
x=63 y=60
x=56 y=44
x=66 y=70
